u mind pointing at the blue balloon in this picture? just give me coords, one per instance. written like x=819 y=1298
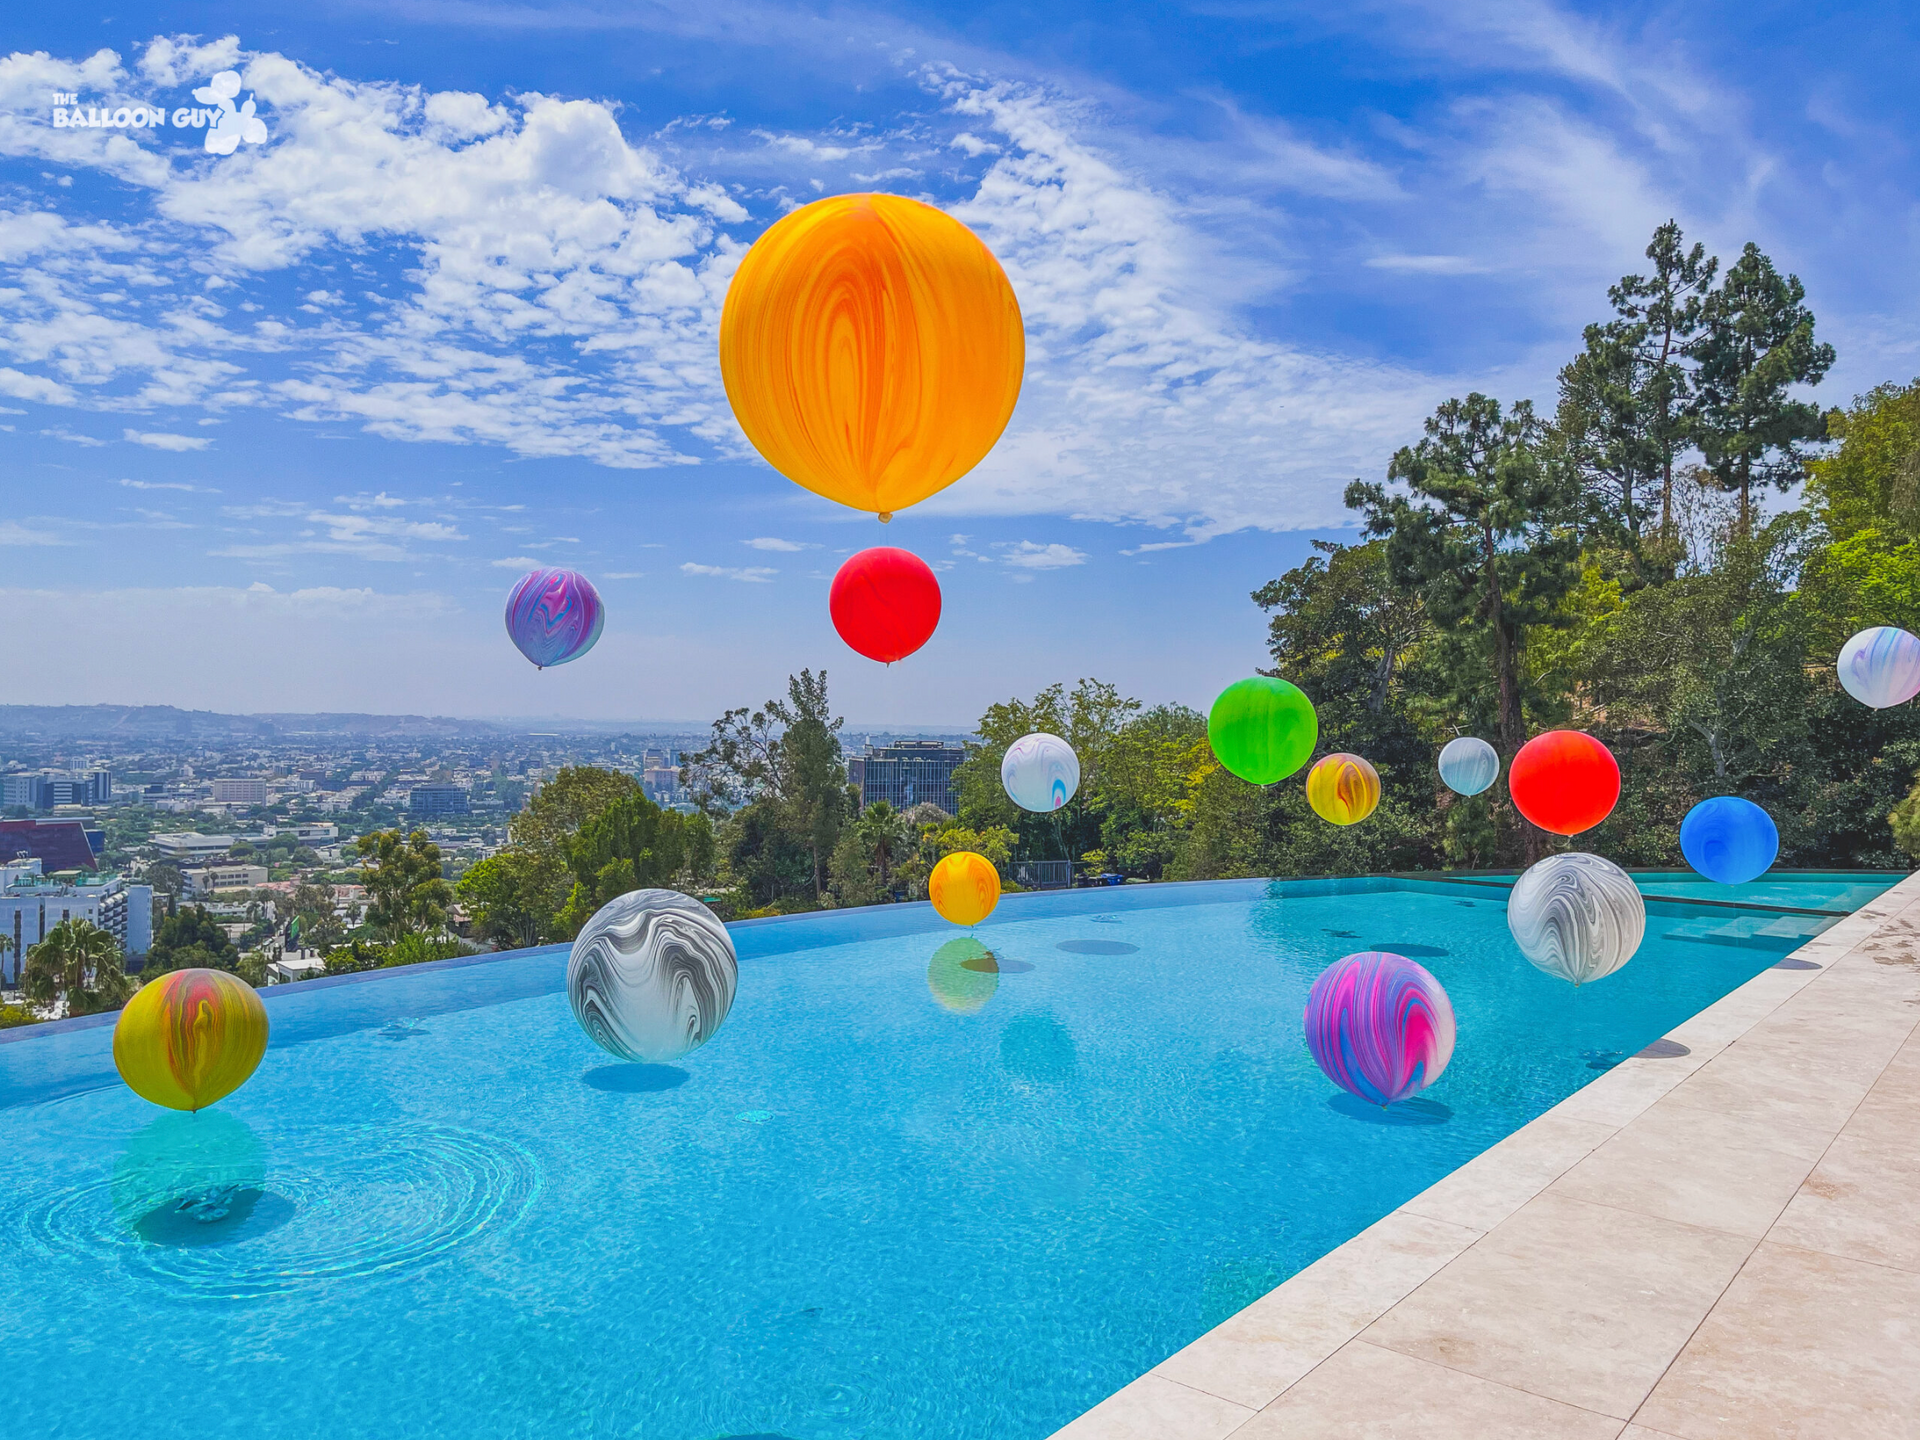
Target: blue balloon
x=1729 y=840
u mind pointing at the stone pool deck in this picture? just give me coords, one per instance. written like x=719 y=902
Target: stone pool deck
x=1716 y=1240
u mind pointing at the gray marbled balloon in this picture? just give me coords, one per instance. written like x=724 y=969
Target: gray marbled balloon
x=652 y=975
x=1577 y=916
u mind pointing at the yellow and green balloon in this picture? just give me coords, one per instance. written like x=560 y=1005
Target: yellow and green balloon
x=190 y=1037
x=1262 y=729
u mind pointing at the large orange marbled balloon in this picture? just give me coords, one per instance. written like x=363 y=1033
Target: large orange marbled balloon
x=964 y=888
x=872 y=349
x=189 y=1037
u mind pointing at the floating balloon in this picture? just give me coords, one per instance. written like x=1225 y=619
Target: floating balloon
x=1468 y=765
x=1262 y=729
x=1729 y=840
x=554 y=616
x=872 y=349
x=963 y=975
x=1577 y=916
x=1343 y=789
x=1379 y=1026
x=652 y=975
x=1040 y=772
x=1880 y=667
x=885 y=603
x=1564 y=781
x=964 y=888
x=189 y=1037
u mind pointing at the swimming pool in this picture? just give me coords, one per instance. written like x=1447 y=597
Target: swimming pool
x=898 y=1195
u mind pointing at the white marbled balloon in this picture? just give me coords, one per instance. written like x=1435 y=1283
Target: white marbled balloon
x=652 y=975
x=1577 y=916
x=1469 y=765
x=1040 y=772
x=1880 y=666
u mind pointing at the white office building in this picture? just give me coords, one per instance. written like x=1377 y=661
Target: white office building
x=31 y=904
x=188 y=846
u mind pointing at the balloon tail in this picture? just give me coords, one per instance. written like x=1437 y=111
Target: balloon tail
x=885 y=516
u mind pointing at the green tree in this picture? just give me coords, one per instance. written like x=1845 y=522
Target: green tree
x=870 y=849
x=1485 y=540
x=191 y=939
x=1757 y=343
x=513 y=896
x=80 y=963
x=1633 y=400
x=569 y=800
x=634 y=844
x=407 y=892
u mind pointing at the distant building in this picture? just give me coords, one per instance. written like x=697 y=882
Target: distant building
x=32 y=903
x=438 y=800
x=225 y=877
x=313 y=832
x=661 y=784
x=44 y=789
x=189 y=846
x=239 y=792
x=913 y=772
x=57 y=844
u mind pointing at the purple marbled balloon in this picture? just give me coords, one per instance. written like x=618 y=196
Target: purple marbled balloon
x=554 y=616
x=1380 y=1026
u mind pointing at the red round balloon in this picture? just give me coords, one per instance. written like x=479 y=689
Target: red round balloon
x=885 y=603
x=1564 y=781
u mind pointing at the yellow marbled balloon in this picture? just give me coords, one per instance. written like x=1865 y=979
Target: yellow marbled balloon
x=872 y=349
x=964 y=888
x=1343 y=789
x=189 y=1037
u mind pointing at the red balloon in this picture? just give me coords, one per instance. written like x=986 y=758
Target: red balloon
x=1564 y=781
x=885 y=603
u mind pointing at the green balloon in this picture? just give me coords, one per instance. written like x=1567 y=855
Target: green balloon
x=1262 y=729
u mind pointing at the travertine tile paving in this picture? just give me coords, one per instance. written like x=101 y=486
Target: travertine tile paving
x=1719 y=1238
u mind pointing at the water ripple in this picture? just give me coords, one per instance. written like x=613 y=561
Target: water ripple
x=336 y=1203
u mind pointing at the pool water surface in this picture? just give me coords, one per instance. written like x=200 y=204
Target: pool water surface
x=915 y=1187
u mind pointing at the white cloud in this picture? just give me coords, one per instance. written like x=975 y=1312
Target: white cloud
x=751 y=574
x=12 y=532
x=169 y=485
x=768 y=542
x=369 y=537
x=1427 y=264
x=1028 y=555
x=159 y=440
x=518 y=562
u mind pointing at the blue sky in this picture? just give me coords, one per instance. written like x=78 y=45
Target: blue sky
x=282 y=426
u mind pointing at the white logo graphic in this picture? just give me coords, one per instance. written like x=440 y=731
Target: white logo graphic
x=227 y=125
x=230 y=126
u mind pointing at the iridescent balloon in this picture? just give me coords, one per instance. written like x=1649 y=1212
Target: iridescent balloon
x=554 y=616
x=1040 y=772
x=1469 y=765
x=1577 y=916
x=1380 y=1026
x=1880 y=667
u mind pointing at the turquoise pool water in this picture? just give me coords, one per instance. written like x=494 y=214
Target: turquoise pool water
x=876 y=1205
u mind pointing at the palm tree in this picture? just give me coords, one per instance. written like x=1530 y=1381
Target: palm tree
x=79 y=961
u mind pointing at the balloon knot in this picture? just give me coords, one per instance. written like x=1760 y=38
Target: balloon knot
x=885 y=516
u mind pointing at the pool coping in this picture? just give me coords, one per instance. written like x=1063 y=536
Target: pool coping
x=1595 y=1273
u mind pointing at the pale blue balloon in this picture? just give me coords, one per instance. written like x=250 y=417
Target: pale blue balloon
x=1880 y=667
x=1469 y=765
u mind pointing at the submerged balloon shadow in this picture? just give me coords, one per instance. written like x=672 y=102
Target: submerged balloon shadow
x=1415 y=1111
x=216 y=1217
x=991 y=964
x=635 y=1079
